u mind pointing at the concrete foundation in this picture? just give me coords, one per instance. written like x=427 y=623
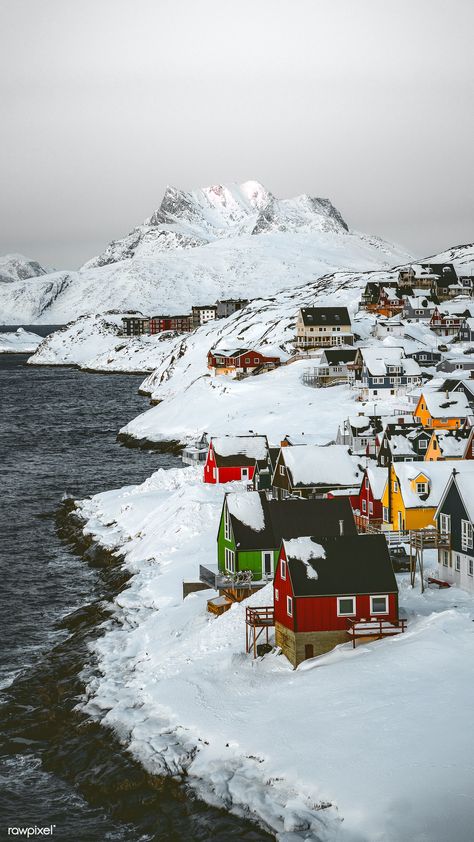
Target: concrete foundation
x=298 y=646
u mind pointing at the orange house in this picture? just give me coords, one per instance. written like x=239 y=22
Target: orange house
x=442 y=410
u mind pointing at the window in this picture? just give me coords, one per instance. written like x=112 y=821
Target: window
x=364 y=505
x=345 y=606
x=385 y=514
x=445 y=523
x=277 y=595
x=445 y=556
x=282 y=470
x=227 y=528
x=247 y=360
x=458 y=563
x=289 y=606
x=470 y=565
x=283 y=568
x=366 y=479
x=229 y=560
x=379 y=604
x=421 y=488
x=371 y=508
x=422 y=444
x=255 y=359
x=395 y=485
x=466 y=535
x=267 y=562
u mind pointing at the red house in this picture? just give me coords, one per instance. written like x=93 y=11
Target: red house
x=234 y=457
x=367 y=504
x=327 y=590
x=239 y=361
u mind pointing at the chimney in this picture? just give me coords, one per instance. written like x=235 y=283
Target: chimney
x=341 y=527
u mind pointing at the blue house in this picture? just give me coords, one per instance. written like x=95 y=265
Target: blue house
x=385 y=371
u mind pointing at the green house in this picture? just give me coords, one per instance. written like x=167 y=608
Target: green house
x=252 y=527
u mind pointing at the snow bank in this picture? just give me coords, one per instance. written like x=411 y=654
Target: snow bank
x=365 y=746
x=19 y=342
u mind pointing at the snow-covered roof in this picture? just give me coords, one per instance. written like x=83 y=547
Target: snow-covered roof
x=377 y=478
x=401 y=445
x=253 y=447
x=247 y=508
x=437 y=474
x=378 y=359
x=450 y=444
x=316 y=465
x=440 y=405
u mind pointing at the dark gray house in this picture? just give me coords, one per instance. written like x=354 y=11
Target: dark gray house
x=228 y=306
x=455 y=517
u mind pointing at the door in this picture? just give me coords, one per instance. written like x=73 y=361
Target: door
x=267 y=563
x=244 y=473
x=308 y=650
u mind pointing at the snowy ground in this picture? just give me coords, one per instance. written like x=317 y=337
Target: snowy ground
x=19 y=342
x=381 y=734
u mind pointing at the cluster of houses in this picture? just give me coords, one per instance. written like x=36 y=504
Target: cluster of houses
x=139 y=325
x=328 y=524
x=318 y=520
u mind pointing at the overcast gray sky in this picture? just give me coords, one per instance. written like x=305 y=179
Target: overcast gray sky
x=104 y=102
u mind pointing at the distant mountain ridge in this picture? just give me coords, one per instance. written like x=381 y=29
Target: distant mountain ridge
x=214 y=242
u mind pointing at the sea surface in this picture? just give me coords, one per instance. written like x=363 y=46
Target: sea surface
x=58 y=441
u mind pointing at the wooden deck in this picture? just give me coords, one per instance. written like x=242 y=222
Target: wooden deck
x=261 y=618
x=374 y=627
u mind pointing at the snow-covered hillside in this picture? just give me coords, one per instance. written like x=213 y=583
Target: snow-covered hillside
x=218 y=242
x=94 y=343
x=354 y=746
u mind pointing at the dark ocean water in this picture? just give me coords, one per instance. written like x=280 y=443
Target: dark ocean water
x=57 y=438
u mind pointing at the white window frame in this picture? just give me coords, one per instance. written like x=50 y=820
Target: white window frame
x=457 y=563
x=379 y=596
x=346 y=613
x=227 y=526
x=466 y=535
x=395 y=486
x=289 y=606
x=445 y=557
x=421 y=487
x=364 y=506
x=444 y=523
x=385 y=516
x=282 y=470
x=470 y=567
x=264 y=572
x=283 y=569
x=229 y=560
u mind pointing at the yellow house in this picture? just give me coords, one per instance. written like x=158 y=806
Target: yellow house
x=413 y=491
x=447 y=444
x=442 y=410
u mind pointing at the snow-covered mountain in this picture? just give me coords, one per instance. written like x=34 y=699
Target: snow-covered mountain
x=16 y=267
x=220 y=241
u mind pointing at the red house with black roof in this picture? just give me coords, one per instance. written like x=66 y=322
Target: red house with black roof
x=232 y=458
x=323 y=587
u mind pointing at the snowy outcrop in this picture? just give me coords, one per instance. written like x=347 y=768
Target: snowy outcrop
x=216 y=242
x=19 y=342
x=175 y=685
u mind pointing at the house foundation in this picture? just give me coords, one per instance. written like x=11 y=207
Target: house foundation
x=299 y=646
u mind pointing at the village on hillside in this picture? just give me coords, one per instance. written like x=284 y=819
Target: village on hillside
x=331 y=524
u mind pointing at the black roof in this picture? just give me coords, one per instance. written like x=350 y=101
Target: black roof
x=444 y=270
x=291 y=519
x=353 y=564
x=325 y=316
x=237 y=459
x=335 y=356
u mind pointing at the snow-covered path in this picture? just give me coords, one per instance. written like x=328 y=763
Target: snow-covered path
x=366 y=746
